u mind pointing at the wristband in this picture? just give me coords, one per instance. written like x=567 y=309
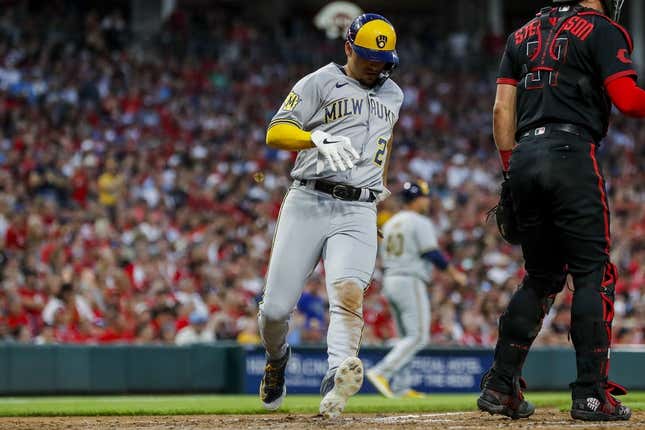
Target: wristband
x=505 y=156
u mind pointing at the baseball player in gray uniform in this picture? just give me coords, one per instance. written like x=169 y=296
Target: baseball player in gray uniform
x=409 y=245
x=340 y=119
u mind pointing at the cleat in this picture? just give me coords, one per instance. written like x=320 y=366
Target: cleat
x=272 y=387
x=592 y=409
x=327 y=384
x=595 y=409
x=413 y=394
x=381 y=383
x=347 y=381
x=496 y=403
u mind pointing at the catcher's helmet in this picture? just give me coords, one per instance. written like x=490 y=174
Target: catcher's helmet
x=612 y=7
x=412 y=190
x=373 y=38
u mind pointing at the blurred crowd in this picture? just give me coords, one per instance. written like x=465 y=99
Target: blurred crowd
x=138 y=199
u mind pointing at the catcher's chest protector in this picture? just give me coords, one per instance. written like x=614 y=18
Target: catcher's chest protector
x=544 y=44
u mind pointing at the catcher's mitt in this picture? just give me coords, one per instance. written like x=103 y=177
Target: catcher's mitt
x=505 y=216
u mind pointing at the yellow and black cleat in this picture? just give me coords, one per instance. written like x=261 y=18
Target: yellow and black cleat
x=381 y=383
x=273 y=389
x=413 y=394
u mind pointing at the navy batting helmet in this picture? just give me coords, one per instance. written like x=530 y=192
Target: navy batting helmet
x=373 y=38
x=412 y=190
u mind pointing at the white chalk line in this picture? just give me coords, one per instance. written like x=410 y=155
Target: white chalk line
x=431 y=418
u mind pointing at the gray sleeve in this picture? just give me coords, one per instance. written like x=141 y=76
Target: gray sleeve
x=301 y=104
x=426 y=236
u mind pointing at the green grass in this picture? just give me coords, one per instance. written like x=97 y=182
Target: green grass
x=216 y=404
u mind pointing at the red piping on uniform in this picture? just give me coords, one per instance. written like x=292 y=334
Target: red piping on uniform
x=507 y=81
x=615 y=24
x=609 y=315
x=619 y=75
x=603 y=197
x=539 y=47
x=610 y=277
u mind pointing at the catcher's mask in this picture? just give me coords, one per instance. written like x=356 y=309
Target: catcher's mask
x=373 y=38
x=612 y=7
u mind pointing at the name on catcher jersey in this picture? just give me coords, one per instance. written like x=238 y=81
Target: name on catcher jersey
x=406 y=237
x=561 y=62
x=331 y=101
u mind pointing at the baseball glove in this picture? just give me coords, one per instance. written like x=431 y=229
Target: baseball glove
x=505 y=216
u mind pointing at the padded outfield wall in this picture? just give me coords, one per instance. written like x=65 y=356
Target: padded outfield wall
x=230 y=368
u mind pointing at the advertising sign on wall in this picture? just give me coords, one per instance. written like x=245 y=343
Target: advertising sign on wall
x=432 y=370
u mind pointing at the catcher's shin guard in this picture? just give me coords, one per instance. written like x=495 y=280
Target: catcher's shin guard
x=518 y=327
x=592 y=314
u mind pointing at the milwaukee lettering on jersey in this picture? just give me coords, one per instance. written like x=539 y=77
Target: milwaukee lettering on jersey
x=341 y=108
x=366 y=116
x=381 y=111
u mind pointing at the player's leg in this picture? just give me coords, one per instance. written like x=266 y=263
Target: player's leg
x=584 y=227
x=409 y=302
x=592 y=313
x=349 y=256
x=503 y=385
x=522 y=320
x=297 y=246
x=519 y=325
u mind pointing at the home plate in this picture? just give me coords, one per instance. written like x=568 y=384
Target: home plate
x=429 y=418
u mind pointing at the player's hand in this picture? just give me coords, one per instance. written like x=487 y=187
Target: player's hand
x=383 y=195
x=337 y=150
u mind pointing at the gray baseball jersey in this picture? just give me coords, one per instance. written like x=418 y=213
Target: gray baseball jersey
x=331 y=101
x=406 y=236
x=313 y=224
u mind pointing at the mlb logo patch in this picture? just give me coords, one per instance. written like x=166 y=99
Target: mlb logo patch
x=540 y=131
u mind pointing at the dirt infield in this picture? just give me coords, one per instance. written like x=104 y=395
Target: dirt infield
x=543 y=419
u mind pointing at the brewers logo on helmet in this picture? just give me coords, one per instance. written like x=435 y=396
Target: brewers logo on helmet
x=373 y=38
x=412 y=190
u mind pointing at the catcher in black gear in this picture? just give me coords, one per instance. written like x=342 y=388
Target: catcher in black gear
x=558 y=78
